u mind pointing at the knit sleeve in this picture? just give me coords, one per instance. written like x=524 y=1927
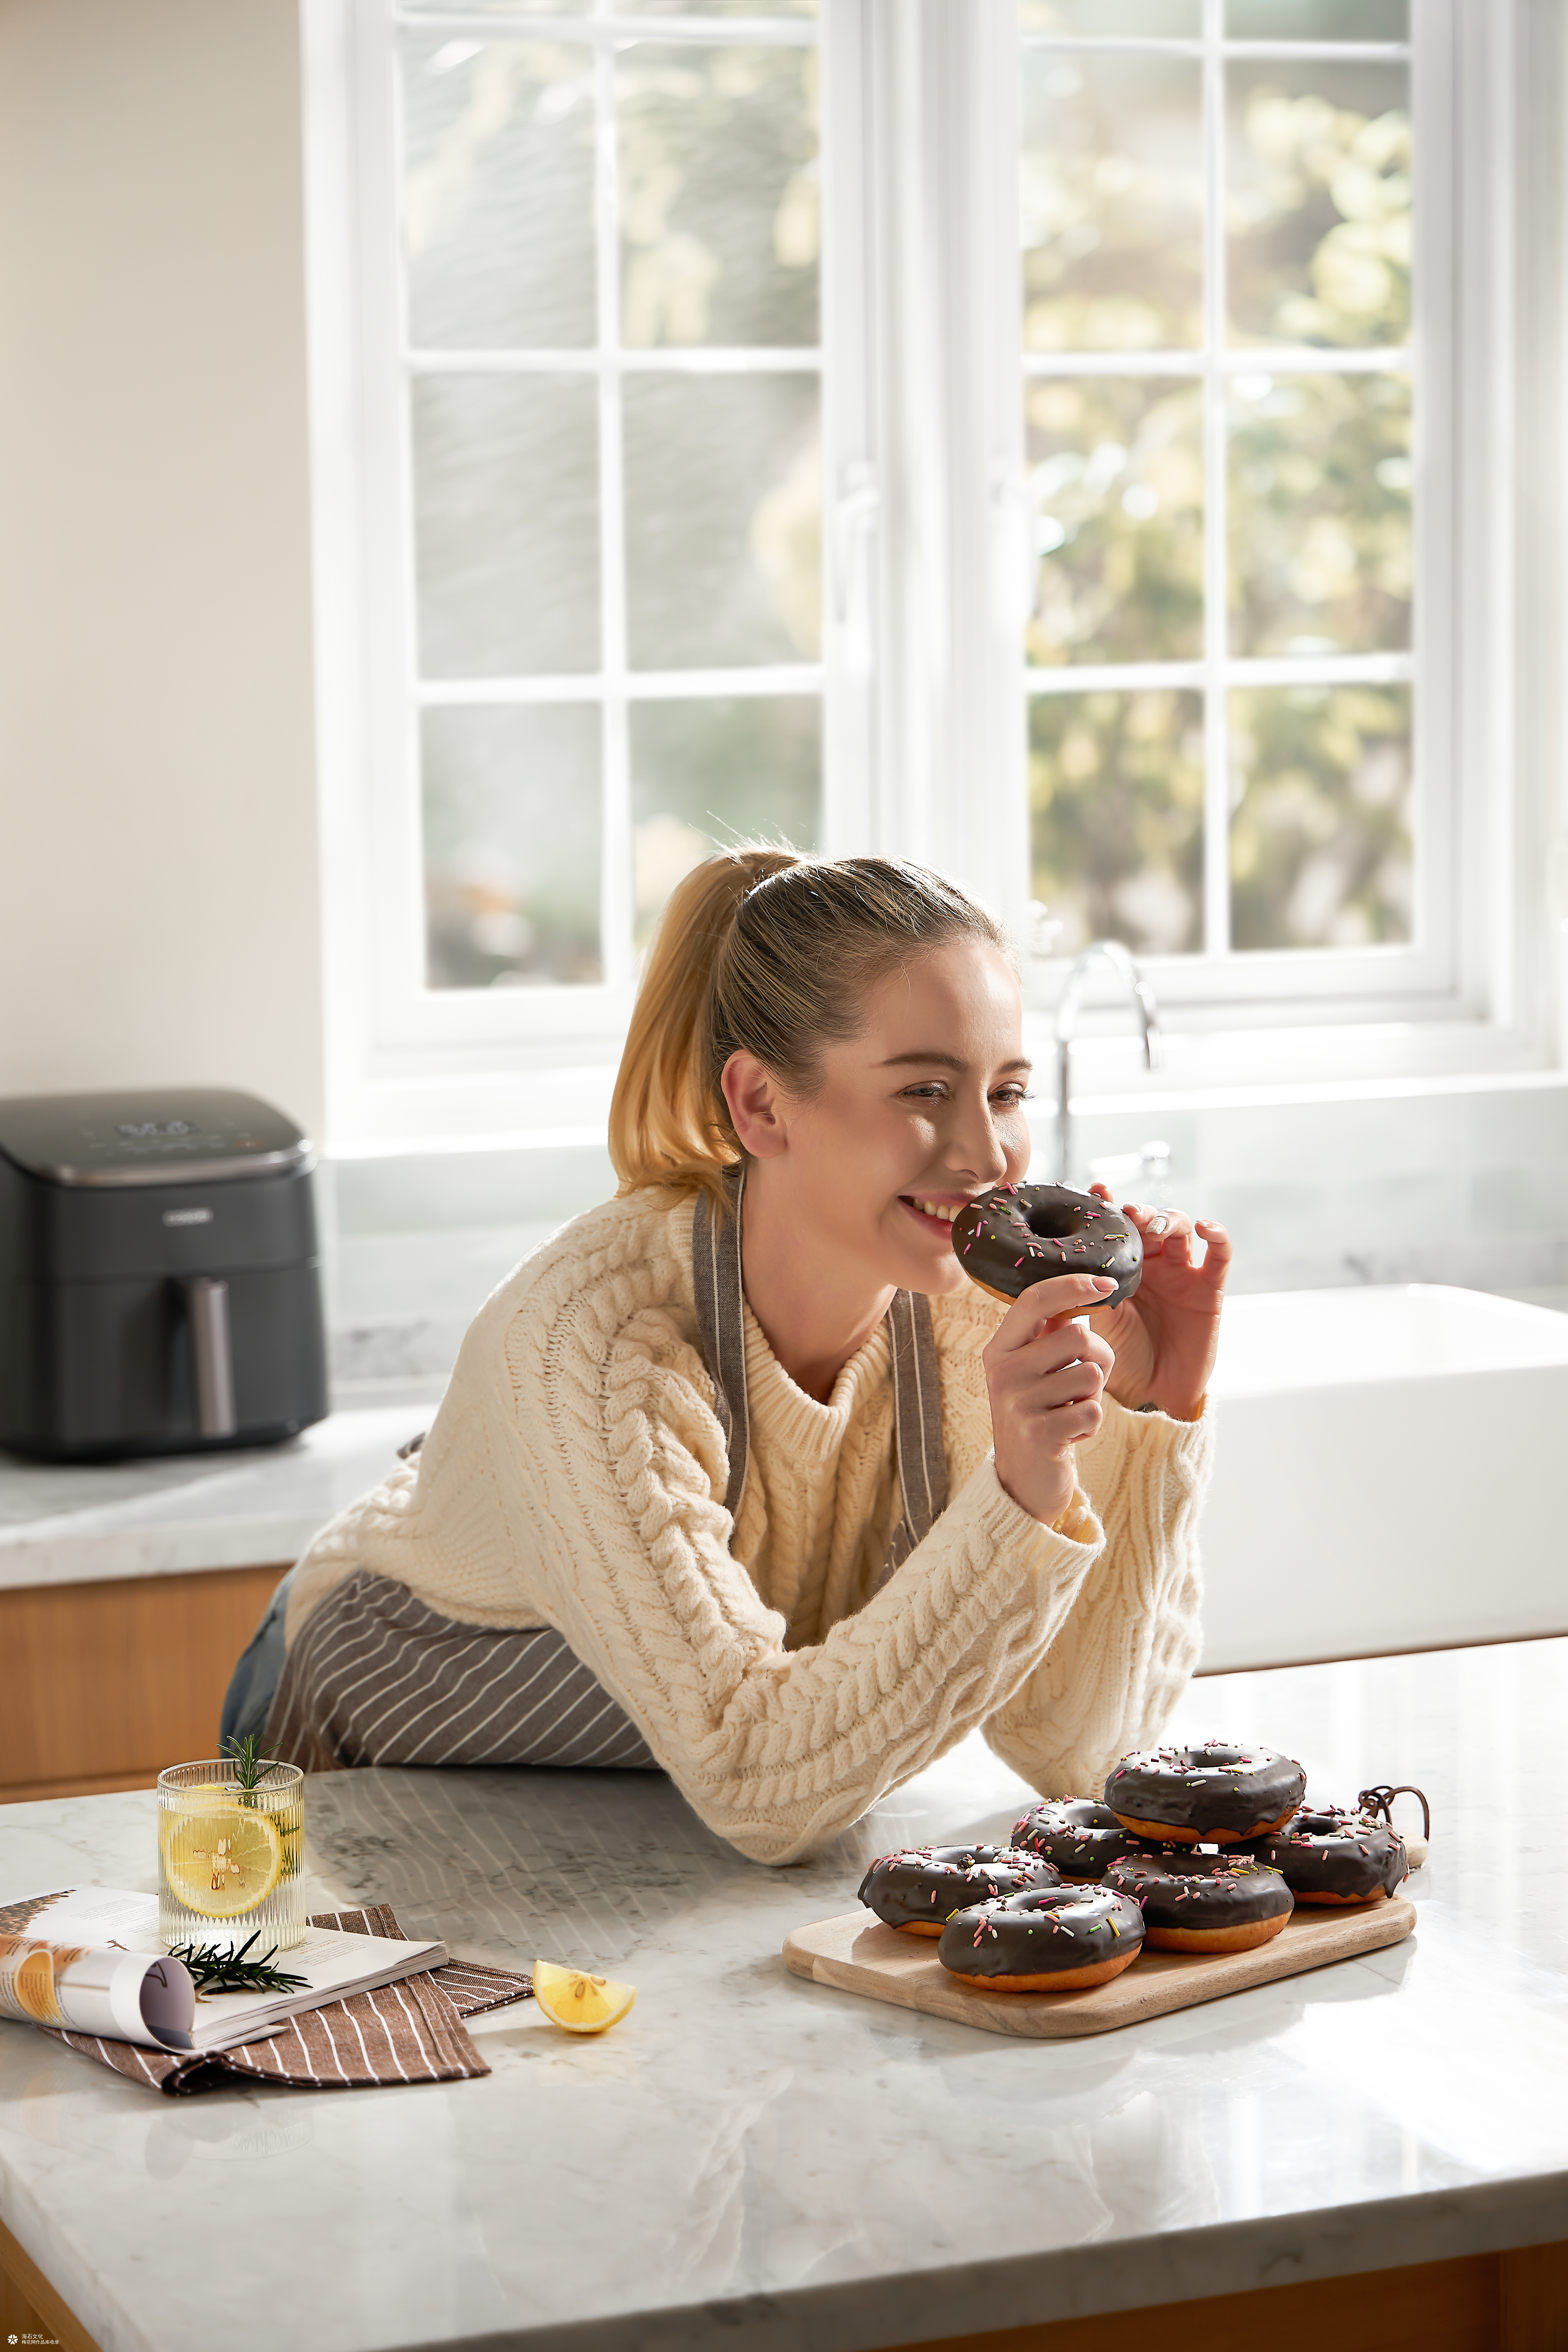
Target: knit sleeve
x=1115 y=1669
x=616 y=1464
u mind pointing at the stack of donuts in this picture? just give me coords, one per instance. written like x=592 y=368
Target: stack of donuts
x=1086 y=1886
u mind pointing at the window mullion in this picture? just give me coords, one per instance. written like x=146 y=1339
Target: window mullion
x=1216 y=579
x=615 y=872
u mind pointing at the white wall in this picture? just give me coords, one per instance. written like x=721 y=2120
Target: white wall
x=158 y=870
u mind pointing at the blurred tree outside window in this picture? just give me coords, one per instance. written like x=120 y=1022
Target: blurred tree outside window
x=1216 y=257
x=610 y=294
x=609 y=290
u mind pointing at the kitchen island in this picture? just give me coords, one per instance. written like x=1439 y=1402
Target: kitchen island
x=750 y=2158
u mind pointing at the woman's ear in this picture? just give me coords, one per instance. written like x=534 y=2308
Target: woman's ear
x=756 y=1106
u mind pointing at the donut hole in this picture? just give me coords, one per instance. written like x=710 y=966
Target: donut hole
x=1061 y=1216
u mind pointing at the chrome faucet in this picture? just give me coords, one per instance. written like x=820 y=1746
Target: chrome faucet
x=1139 y=994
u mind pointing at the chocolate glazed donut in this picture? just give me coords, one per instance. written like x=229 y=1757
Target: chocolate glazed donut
x=918 y=1890
x=1326 y=1856
x=1019 y=1233
x=1080 y=1836
x=1205 y=1902
x=1212 y=1794
x=1056 y=1939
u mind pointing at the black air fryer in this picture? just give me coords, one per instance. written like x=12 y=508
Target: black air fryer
x=160 y=1291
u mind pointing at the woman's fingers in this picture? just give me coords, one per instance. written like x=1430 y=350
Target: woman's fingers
x=1165 y=1233
x=1061 y=1365
x=1218 y=1248
x=1061 y=1294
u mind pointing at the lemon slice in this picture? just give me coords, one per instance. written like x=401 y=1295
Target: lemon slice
x=580 y=2002
x=223 y=1861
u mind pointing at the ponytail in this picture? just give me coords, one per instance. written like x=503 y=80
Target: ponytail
x=665 y=1126
x=760 y=951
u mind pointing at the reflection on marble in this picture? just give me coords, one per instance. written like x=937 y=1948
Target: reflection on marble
x=751 y=2154
x=69 y=1523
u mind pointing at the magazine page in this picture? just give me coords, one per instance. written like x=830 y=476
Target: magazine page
x=97 y=1989
x=103 y=1971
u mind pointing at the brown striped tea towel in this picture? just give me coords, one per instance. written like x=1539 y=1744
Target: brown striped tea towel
x=407 y=2032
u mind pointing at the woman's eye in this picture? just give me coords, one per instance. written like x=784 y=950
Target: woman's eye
x=1009 y=1097
x=932 y=1092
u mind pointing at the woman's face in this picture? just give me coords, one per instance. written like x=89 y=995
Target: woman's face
x=914 y=1116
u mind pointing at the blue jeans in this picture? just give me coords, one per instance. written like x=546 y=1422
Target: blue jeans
x=254 y=1683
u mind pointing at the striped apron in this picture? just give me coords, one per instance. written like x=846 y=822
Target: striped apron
x=376 y=1676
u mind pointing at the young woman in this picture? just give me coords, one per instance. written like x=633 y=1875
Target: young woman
x=739 y=1476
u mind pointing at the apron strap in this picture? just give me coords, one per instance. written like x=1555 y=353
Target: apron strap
x=917 y=1379
x=916 y=1421
x=721 y=1325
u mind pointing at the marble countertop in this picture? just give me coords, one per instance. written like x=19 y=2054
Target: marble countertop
x=71 y=1523
x=752 y=2157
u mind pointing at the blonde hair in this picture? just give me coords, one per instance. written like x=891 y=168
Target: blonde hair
x=764 y=952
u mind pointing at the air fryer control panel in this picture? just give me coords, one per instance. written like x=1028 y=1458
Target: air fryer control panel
x=197 y=1134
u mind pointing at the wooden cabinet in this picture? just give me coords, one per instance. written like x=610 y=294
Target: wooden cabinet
x=101 y=1684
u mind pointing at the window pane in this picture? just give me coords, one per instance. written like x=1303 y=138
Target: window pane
x=1116 y=469
x=1320 y=851
x=1111 y=19
x=719 y=195
x=1319 y=204
x=498 y=202
x=724 y=523
x=1116 y=800
x=1320 y=514
x=1111 y=191
x=707 y=774
x=506 y=515
x=511 y=846
x=1317 y=20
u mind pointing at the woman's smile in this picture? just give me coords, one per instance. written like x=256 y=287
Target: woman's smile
x=937 y=1211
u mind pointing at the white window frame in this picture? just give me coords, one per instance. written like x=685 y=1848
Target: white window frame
x=927 y=533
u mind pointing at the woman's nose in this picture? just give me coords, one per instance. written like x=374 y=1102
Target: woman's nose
x=976 y=1147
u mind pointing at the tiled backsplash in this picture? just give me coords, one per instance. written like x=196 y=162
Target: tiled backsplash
x=1469 y=1187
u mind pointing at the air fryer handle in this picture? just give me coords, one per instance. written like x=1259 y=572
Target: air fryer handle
x=206 y=1302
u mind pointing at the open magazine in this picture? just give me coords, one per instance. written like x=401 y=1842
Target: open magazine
x=88 y=1958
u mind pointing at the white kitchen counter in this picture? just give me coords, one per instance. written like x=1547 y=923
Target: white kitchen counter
x=71 y=1524
x=753 y=2159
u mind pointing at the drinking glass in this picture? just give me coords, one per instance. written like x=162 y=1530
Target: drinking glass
x=229 y=1854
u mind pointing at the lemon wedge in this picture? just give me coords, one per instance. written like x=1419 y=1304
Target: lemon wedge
x=578 y=2001
x=223 y=1861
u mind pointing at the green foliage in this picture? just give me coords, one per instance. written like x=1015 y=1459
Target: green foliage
x=1319 y=522
x=1116 y=798
x=1320 y=854
x=249 y=1766
x=1320 y=475
x=230 y=1970
x=1318 y=204
x=1116 y=467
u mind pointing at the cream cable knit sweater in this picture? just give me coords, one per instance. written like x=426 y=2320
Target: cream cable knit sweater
x=574 y=1477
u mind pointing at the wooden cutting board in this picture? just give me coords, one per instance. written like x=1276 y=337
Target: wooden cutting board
x=859 y=1955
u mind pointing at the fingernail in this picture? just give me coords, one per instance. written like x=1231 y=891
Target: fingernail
x=1159 y=1224
x=1104 y=1282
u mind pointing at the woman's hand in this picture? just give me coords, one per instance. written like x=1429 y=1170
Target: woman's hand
x=1165 y=1335
x=1045 y=1373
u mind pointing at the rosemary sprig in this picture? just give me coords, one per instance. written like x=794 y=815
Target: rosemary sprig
x=231 y=1971
x=250 y=1766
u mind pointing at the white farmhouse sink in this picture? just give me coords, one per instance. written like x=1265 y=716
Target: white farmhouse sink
x=1389 y=1474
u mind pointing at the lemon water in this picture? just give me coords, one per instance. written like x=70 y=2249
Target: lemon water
x=230 y=1856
